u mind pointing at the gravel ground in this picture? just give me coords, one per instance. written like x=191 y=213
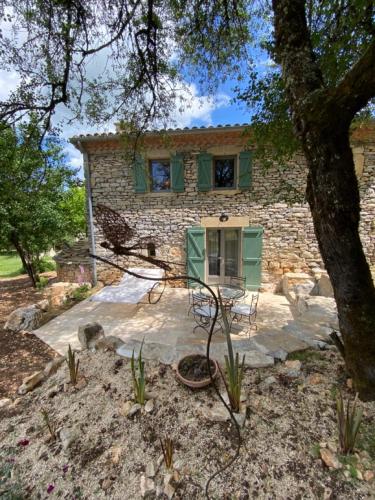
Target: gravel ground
x=287 y=418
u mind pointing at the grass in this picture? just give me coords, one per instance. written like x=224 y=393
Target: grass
x=10 y=265
x=306 y=355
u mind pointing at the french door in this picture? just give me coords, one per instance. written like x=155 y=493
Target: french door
x=223 y=254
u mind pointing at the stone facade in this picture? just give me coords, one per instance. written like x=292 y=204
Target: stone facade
x=73 y=264
x=289 y=243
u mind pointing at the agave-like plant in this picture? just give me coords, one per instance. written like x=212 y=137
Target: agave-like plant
x=167 y=447
x=72 y=365
x=348 y=422
x=139 y=381
x=234 y=369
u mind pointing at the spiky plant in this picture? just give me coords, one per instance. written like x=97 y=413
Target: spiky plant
x=167 y=447
x=348 y=423
x=138 y=375
x=72 y=365
x=233 y=368
x=51 y=426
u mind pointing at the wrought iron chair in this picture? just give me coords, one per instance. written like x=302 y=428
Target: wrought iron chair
x=197 y=299
x=243 y=313
x=204 y=315
x=238 y=282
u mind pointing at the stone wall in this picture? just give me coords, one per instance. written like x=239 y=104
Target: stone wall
x=289 y=243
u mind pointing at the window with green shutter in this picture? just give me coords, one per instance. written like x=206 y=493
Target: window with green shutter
x=204 y=172
x=177 y=173
x=195 y=252
x=245 y=169
x=252 y=240
x=140 y=175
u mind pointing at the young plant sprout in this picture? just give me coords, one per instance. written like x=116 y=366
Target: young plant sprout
x=73 y=366
x=167 y=447
x=138 y=375
x=348 y=423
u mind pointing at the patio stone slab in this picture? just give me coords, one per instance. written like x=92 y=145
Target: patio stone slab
x=277 y=344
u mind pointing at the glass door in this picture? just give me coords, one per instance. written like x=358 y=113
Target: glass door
x=223 y=254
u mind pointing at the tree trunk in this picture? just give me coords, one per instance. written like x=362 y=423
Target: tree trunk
x=27 y=264
x=333 y=196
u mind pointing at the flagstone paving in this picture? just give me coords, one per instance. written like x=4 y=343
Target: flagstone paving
x=167 y=329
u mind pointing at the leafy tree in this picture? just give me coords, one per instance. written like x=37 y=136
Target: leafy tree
x=33 y=196
x=322 y=78
x=73 y=206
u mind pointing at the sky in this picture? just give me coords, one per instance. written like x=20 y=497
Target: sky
x=201 y=110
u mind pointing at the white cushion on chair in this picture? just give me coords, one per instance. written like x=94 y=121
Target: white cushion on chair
x=244 y=309
x=205 y=311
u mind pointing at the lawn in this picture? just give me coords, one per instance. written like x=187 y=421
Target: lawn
x=10 y=265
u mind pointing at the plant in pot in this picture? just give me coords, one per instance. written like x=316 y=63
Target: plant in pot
x=192 y=371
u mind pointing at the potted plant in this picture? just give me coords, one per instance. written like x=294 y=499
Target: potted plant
x=192 y=371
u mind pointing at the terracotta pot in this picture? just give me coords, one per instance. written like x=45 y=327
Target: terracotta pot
x=196 y=384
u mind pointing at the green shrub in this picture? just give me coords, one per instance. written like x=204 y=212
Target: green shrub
x=139 y=381
x=42 y=283
x=81 y=293
x=348 y=422
x=44 y=265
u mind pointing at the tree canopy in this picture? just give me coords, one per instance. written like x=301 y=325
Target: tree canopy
x=36 y=195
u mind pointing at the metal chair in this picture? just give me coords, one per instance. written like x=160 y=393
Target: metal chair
x=238 y=282
x=246 y=313
x=204 y=315
x=197 y=299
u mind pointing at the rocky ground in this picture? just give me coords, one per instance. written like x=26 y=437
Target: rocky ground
x=107 y=448
x=20 y=354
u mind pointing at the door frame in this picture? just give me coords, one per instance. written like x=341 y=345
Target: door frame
x=217 y=279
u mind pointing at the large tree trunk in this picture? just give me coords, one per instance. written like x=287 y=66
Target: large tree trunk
x=26 y=262
x=333 y=197
x=321 y=116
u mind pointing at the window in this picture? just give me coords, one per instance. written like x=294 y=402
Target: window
x=151 y=250
x=224 y=174
x=160 y=173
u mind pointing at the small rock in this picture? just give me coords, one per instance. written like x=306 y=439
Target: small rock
x=218 y=413
x=134 y=409
x=294 y=364
x=110 y=343
x=5 y=402
x=330 y=459
x=332 y=446
x=359 y=475
x=43 y=305
x=29 y=383
x=125 y=408
x=150 y=470
x=106 y=484
x=149 y=406
x=315 y=379
x=116 y=452
x=270 y=380
x=347 y=474
x=82 y=382
x=147 y=487
x=53 y=366
x=89 y=333
x=349 y=383
x=169 y=490
x=368 y=475
x=327 y=493
x=240 y=418
x=68 y=436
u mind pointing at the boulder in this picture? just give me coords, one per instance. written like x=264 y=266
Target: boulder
x=58 y=293
x=110 y=343
x=30 y=382
x=43 y=305
x=24 y=318
x=323 y=287
x=53 y=366
x=318 y=311
x=89 y=333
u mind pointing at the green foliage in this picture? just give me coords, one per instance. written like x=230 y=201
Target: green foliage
x=73 y=206
x=44 y=265
x=167 y=447
x=233 y=368
x=81 y=293
x=348 y=422
x=138 y=375
x=34 y=179
x=42 y=282
x=73 y=366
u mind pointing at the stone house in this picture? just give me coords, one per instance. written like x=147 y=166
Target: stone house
x=213 y=210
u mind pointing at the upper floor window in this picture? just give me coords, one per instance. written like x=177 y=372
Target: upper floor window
x=224 y=174
x=160 y=174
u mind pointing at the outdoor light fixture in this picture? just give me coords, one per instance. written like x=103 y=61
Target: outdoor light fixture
x=223 y=217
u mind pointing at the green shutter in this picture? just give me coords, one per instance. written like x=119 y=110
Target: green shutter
x=140 y=175
x=177 y=173
x=195 y=252
x=252 y=256
x=245 y=170
x=204 y=172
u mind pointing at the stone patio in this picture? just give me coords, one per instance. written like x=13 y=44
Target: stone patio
x=168 y=330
